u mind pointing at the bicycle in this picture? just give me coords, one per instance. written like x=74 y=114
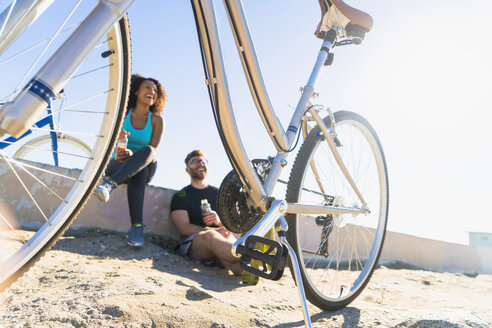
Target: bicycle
x=56 y=141
x=334 y=222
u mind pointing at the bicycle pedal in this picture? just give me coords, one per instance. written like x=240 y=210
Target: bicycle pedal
x=269 y=263
x=249 y=278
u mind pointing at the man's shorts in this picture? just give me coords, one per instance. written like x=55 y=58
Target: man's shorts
x=184 y=244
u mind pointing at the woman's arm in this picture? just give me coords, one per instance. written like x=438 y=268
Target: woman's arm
x=157 y=130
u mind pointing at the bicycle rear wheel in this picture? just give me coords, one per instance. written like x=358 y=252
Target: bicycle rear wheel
x=39 y=201
x=338 y=253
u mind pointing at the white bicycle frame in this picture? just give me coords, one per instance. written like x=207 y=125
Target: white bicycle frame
x=19 y=114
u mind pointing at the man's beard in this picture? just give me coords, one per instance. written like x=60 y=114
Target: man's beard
x=197 y=176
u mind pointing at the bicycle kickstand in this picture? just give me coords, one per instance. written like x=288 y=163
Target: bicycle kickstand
x=295 y=265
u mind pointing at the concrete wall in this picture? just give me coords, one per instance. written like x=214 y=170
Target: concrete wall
x=114 y=215
x=437 y=255
x=431 y=254
x=480 y=238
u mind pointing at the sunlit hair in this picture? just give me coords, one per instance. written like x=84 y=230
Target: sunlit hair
x=158 y=105
x=193 y=154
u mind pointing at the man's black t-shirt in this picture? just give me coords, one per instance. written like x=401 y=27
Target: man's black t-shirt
x=189 y=198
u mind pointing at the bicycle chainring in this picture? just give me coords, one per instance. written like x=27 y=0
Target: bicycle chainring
x=232 y=206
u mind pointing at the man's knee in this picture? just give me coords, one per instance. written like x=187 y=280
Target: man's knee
x=209 y=235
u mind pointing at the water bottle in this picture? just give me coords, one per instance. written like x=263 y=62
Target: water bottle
x=121 y=145
x=205 y=208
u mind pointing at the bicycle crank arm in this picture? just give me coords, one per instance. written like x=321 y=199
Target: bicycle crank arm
x=278 y=208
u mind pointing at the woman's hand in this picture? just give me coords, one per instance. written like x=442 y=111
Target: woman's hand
x=123 y=134
x=123 y=153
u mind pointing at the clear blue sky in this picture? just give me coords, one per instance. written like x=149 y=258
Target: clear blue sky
x=422 y=77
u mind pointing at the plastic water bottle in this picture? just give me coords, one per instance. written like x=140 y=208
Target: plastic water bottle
x=121 y=145
x=205 y=208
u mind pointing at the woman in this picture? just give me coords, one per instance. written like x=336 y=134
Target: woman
x=136 y=164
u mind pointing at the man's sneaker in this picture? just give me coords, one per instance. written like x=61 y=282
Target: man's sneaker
x=104 y=189
x=135 y=236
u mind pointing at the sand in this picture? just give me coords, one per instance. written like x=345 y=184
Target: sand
x=93 y=279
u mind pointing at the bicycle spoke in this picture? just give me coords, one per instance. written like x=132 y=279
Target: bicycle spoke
x=68 y=108
x=40 y=182
x=34 y=46
x=67 y=132
x=89 y=99
x=43 y=170
x=19 y=237
x=2 y=153
x=92 y=71
x=59 y=152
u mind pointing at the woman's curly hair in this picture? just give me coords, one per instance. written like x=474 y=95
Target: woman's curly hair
x=158 y=105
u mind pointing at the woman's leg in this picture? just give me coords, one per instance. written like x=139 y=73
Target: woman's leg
x=136 y=193
x=104 y=189
x=118 y=173
x=134 y=164
x=112 y=167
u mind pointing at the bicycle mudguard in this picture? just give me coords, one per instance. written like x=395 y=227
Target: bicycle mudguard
x=272 y=260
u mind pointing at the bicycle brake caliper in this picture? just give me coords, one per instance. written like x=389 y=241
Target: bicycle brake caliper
x=272 y=260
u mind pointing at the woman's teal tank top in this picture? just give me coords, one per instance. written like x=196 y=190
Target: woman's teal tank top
x=138 y=137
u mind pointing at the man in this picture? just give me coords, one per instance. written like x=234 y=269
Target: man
x=203 y=236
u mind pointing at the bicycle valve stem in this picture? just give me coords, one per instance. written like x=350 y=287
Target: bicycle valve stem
x=18 y=116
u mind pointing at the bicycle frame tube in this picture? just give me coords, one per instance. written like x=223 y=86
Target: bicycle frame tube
x=295 y=122
x=221 y=102
x=253 y=75
x=14 y=20
x=18 y=116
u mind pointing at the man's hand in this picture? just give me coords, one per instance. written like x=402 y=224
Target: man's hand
x=212 y=218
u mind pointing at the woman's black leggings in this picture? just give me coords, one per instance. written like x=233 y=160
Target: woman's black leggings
x=137 y=170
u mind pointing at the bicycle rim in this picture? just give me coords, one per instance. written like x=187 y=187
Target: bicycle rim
x=43 y=198
x=338 y=253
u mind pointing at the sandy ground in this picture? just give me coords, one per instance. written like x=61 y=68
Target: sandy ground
x=93 y=279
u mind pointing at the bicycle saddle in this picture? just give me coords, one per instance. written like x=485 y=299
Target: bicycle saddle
x=337 y=14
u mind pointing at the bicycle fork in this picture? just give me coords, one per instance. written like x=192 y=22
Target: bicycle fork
x=277 y=261
x=17 y=116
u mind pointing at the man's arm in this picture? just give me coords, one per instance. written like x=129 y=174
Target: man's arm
x=182 y=222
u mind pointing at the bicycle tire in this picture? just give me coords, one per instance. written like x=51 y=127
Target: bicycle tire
x=106 y=126
x=338 y=253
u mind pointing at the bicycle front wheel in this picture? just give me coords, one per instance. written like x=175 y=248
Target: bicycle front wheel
x=338 y=253
x=39 y=199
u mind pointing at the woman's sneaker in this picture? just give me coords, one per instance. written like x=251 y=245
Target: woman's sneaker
x=135 y=236
x=103 y=191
